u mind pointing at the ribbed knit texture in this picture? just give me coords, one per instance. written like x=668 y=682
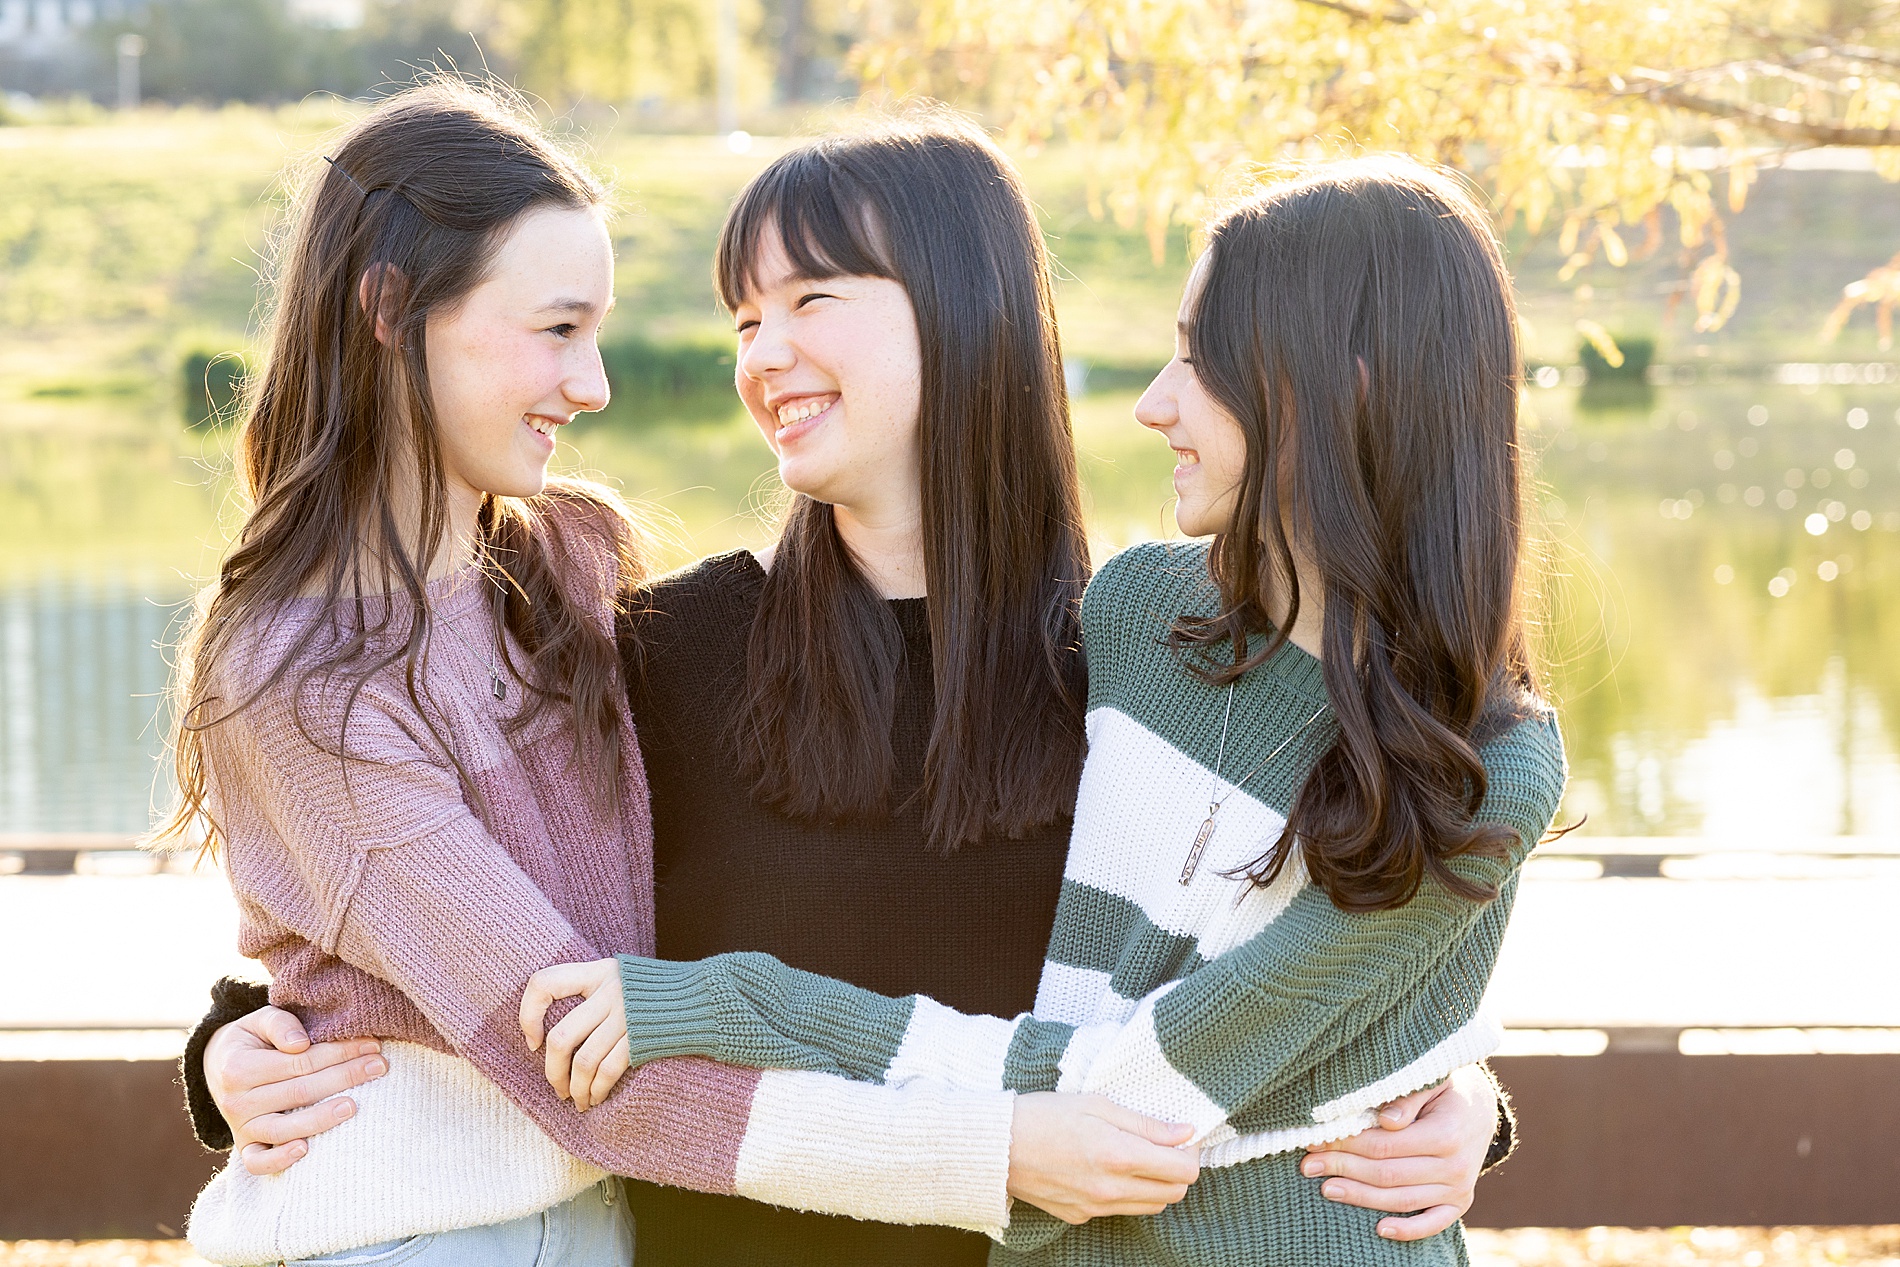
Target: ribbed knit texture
x=1265 y=1017
x=867 y=901
x=421 y=1147
x=388 y=902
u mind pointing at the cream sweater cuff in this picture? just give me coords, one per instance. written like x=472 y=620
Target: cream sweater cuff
x=920 y=1153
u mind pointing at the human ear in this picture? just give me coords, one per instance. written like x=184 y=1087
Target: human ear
x=380 y=291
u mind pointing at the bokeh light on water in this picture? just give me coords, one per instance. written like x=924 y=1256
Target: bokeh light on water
x=1721 y=596
x=1724 y=596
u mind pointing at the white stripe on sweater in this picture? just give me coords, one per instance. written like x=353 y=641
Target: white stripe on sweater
x=1132 y=1070
x=434 y=1147
x=913 y=1154
x=943 y=1045
x=1069 y=995
x=1220 y=911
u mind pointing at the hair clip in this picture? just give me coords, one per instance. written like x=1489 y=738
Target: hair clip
x=346 y=175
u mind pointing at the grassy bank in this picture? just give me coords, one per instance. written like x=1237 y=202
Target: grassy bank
x=134 y=240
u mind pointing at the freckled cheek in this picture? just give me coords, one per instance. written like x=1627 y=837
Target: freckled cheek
x=472 y=381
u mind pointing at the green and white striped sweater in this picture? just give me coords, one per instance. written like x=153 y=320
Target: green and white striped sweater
x=1267 y=1018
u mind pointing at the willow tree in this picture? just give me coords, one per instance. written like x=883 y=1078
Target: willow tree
x=608 y=50
x=1596 y=117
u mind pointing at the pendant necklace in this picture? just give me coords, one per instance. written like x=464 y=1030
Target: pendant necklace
x=497 y=687
x=1206 y=832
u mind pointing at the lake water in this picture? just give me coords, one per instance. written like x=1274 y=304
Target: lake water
x=1720 y=595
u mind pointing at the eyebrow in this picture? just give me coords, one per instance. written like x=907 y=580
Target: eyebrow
x=583 y=306
x=796 y=277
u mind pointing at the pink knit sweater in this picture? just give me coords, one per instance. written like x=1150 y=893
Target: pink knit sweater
x=387 y=902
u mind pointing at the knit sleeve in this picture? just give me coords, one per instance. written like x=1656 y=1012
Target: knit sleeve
x=231 y=1000
x=405 y=883
x=1196 y=1050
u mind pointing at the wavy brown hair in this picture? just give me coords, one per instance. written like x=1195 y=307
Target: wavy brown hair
x=1358 y=324
x=932 y=204
x=412 y=203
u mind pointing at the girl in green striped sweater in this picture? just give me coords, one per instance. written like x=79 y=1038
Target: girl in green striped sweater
x=1316 y=756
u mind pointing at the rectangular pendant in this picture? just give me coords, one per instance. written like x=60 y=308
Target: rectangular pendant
x=1201 y=837
x=501 y=688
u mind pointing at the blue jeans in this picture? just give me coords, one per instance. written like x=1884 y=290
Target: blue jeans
x=592 y=1230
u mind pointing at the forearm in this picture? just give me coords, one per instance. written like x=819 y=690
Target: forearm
x=683 y=1122
x=913 y=1154
x=751 y=1009
x=1315 y=985
x=1193 y=1051
x=231 y=999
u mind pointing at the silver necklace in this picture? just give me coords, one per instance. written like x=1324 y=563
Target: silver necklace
x=497 y=687
x=1206 y=832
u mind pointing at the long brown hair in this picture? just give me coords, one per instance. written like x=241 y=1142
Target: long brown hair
x=1358 y=324
x=414 y=200
x=932 y=204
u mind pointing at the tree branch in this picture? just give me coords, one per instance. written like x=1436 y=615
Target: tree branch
x=1400 y=15
x=1850 y=53
x=1786 y=125
x=1819 y=47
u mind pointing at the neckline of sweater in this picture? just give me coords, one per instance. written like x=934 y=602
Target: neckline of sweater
x=748 y=564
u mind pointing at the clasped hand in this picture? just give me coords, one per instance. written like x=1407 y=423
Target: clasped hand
x=587 y=1049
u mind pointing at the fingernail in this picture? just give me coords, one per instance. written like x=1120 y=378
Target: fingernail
x=377 y=1067
x=1332 y=1191
x=343 y=1109
x=368 y=1048
x=1311 y=1166
x=297 y=1148
x=297 y=1036
x=1389 y=1115
x=1387 y=1232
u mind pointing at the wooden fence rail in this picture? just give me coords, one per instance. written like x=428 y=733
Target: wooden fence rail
x=100 y=1148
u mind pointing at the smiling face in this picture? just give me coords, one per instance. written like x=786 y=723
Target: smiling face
x=519 y=356
x=1210 y=447
x=831 y=371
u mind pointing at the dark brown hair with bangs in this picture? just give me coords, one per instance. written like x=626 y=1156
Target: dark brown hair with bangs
x=413 y=202
x=1358 y=324
x=933 y=205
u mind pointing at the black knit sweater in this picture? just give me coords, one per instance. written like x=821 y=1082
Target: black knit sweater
x=868 y=902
